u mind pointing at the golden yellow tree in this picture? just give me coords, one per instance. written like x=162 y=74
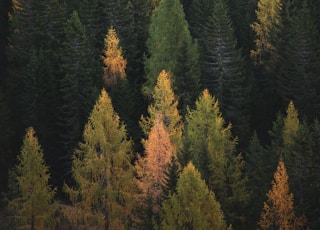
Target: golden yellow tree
x=114 y=64
x=278 y=212
x=153 y=167
x=165 y=106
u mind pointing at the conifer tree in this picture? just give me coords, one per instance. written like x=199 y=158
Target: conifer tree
x=102 y=170
x=76 y=89
x=168 y=32
x=224 y=71
x=154 y=166
x=114 y=64
x=211 y=147
x=299 y=79
x=34 y=208
x=266 y=29
x=165 y=106
x=278 y=211
x=193 y=206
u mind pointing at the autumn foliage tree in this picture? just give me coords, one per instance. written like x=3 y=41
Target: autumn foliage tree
x=34 y=208
x=114 y=64
x=278 y=212
x=102 y=170
x=164 y=107
x=153 y=167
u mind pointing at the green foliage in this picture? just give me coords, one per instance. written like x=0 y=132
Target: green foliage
x=76 y=89
x=165 y=41
x=211 y=147
x=224 y=70
x=193 y=206
x=299 y=79
x=34 y=208
x=103 y=173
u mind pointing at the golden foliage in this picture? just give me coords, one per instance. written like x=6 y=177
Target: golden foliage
x=114 y=64
x=278 y=211
x=153 y=167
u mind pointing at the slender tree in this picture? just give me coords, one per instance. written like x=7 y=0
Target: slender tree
x=153 y=168
x=34 y=208
x=114 y=64
x=165 y=41
x=278 y=211
x=224 y=69
x=165 y=106
x=193 y=206
x=76 y=89
x=102 y=170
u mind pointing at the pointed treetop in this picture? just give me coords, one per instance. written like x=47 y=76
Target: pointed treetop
x=291 y=124
x=114 y=64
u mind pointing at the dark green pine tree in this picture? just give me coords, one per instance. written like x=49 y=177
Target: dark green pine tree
x=187 y=77
x=198 y=15
x=6 y=141
x=75 y=87
x=261 y=164
x=299 y=80
x=224 y=71
x=168 y=32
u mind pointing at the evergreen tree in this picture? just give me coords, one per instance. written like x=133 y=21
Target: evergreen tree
x=165 y=41
x=211 y=147
x=114 y=65
x=224 y=71
x=259 y=170
x=165 y=106
x=200 y=12
x=299 y=79
x=34 y=208
x=76 y=89
x=278 y=211
x=187 y=77
x=193 y=206
x=102 y=170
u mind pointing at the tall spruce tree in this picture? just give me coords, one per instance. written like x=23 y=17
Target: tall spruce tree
x=224 y=71
x=102 y=170
x=211 y=147
x=193 y=206
x=34 y=208
x=299 y=79
x=168 y=32
x=76 y=89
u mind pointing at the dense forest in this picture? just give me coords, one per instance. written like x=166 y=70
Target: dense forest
x=159 y=114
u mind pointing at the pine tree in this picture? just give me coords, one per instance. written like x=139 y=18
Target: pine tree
x=165 y=106
x=103 y=173
x=34 y=208
x=224 y=70
x=165 y=41
x=260 y=166
x=76 y=89
x=299 y=79
x=114 y=64
x=211 y=147
x=278 y=211
x=193 y=206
